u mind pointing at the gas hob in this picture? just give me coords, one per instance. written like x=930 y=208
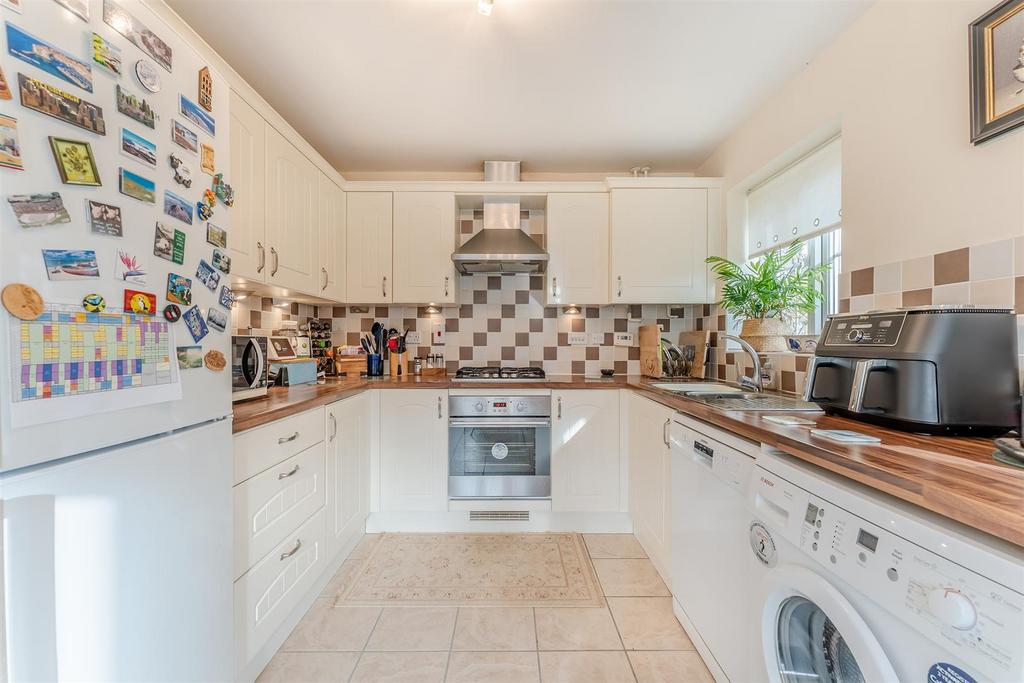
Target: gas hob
x=503 y=374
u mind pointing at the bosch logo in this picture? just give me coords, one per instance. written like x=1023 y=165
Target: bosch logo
x=767 y=482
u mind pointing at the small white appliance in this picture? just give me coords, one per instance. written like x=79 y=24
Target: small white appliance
x=854 y=585
x=282 y=348
x=302 y=346
x=710 y=473
x=249 y=367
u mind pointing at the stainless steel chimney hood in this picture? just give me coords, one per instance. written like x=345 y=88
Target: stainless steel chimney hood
x=501 y=247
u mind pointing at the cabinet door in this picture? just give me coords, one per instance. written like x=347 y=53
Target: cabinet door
x=659 y=243
x=650 y=480
x=292 y=215
x=368 y=233
x=348 y=470
x=413 y=450
x=424 y=237
x=331 y=240
x=247 y=242
x=577 y=239
x=585 y=451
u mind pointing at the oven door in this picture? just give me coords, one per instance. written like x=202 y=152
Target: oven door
x=499 y=457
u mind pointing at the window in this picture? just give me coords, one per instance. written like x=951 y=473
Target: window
x=824 y=248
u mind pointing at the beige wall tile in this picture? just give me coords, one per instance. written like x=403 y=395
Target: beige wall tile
x=630 y=578
x=959 y=293
x=585 y=667
x=495 y=628
x=669 y=667
x=917 y=273
x=844 y=285
x=614 y=546
x=887 y=278
x=1018 y=256
x=992 y=260
x=400 y=667
x=576 y=628
x=993 y=293
x=493 y=667
x=861 y=304
x=648 y=624
x=309 y=667
x=888 y=300
x=330 y=627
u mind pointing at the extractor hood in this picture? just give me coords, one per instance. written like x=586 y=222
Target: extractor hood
x=501 y=247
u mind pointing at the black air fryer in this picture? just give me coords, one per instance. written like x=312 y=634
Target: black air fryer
x=936 y=370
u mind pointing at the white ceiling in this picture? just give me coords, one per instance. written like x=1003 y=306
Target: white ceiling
x=564 y=85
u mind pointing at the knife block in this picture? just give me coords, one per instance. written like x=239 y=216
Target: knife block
x=650 y=351
x=399 y=364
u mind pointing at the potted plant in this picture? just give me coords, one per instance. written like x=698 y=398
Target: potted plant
x=768 y=292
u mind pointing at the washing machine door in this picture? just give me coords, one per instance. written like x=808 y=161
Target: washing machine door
x=811 y=632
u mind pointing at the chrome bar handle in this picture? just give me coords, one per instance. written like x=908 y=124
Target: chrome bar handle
x=664 y=432
x=384 y=286
x=812 y=370
x=334 y=425
x=554 y=286
x=286 y=439
x=559 y=407
x=324 y=285
x=446 y=279
x=298 y=544
x=438 y=407
x=263 y=257
x=277 y=261
x=860 y=381
x=285 y=475
x=620 y=286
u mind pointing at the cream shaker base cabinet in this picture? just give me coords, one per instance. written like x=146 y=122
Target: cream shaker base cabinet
x=424 y=239
x=649 y=479
x=585 y=451
x=348 y=470
x=577 y=241
x=369 y=218
x=248 y=243
x=413 y=450
x=331 y=242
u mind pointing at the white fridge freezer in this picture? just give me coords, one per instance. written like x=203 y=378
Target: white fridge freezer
x=117 y=565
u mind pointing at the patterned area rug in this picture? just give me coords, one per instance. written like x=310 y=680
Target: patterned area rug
x=527 y=570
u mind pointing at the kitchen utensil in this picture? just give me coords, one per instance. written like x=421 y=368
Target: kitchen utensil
x=374 y=365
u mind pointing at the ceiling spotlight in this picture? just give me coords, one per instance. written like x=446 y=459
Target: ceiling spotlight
x=485 y=7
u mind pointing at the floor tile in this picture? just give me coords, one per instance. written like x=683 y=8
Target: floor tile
x=630 y=578
x=309 y=667
x=413 y=628
x=576 y=628
x=495 y=628
x=330 y=627
x=614 y=546
x=669 y=667
x=585 y=667
x=648 y=624
x=341 y=579
x=493 y=667
x=395 y=667
x=364 y=547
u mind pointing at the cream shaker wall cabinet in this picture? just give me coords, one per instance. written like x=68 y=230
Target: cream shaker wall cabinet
x=292 y=216
x=577 y=242
x=247 y=242
x=424 y=239
x=369 y=240
x=331 y=241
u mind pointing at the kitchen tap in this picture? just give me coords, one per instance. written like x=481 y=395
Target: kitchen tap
x=745 y=381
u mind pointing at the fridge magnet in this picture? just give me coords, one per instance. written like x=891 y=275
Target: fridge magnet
x=106 y=54
x=206 y=159
x=207 y=275
x=48 y=58
x=172 y=313
x=135 y=107
x=203 y=211
x=195 y=324
x=10 y=148
x=183 y=137
x=997 y=71
x=38 y=210
x=105 y=219
x=5 y=89
x=215 y=360
x=209 y=198
x=179 y=289
x=205 y=89
x=80 y=8
x=46 y=99
x=223 y=190
x=128 y=268
x=227 y=297
x=189 y=357
x=131 y=28
x=70 y=264
x=169 y=244
x=13 y=5
x=191 y=111
x=140 y=303
x=22 y=301
x=135 y=186
x=177 y=207
x=148 y=76
x=94 y=303
x=221 y=261
x=182 y=172
x=138 y=148
x=217 y=319
x=75 y=162
x=218 y=237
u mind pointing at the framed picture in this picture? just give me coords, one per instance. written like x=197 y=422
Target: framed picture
x=75 y=162
x=997 y=71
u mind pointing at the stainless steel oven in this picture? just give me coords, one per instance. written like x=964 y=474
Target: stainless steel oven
x=499 y=447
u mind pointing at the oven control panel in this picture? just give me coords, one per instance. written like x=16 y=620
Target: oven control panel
x=870 y=329
x=499 y=406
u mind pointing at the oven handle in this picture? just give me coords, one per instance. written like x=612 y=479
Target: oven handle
x=499 y=422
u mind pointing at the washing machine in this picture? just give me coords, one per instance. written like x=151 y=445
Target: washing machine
x=854 y=586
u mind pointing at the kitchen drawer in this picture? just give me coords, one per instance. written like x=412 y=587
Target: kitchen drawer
x=272 y=589
x=274 y=502
x=263 y=447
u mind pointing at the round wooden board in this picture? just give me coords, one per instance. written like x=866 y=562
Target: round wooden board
x=215 y=360
x=22 y=301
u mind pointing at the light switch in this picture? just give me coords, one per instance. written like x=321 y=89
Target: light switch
x=437 y=334
x=596 y=338
x=413 y=338
x=623 y=338
x=577 y=339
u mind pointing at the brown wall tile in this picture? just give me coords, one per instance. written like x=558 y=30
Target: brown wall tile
x=917 y=297
x=508 y=353
x=579 y=325
x=1018 y=295
x=536 y=324
x=593 y=353
x=579 y=367
x=952 y=266
x=494 y=324
x=479 y=339
x=862 y=282
x=522 y=338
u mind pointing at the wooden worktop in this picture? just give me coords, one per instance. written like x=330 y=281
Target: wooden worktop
x=953 y=476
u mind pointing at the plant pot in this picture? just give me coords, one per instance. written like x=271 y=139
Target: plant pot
x=766 y=335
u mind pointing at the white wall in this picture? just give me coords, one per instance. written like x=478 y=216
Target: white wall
x=896 y=82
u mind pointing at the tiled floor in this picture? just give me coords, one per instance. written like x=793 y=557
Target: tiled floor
x=635 y=638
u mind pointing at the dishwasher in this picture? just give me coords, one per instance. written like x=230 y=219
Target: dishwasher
x=710 y=473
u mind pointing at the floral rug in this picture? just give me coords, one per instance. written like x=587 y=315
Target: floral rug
x=528 y=570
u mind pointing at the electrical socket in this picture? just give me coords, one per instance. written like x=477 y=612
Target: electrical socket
x=596 y=338
x=437 y=334
x=577 y=339
x=623 y=338
x=414 y=338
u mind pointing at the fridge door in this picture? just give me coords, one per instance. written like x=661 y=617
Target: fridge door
x=118 y=565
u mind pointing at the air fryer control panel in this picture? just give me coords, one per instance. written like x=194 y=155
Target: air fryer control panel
x=869 y=329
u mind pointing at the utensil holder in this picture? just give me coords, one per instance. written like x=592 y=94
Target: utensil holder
x=399 y=364
x=374 y=365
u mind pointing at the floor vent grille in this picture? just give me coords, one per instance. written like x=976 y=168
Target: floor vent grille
x=499 y=515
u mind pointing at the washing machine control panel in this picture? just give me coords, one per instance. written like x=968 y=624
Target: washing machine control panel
x=975 y=618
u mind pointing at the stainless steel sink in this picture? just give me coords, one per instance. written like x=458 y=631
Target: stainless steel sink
x=754 y=402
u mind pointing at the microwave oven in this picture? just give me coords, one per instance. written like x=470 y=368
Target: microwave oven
x=250 y=371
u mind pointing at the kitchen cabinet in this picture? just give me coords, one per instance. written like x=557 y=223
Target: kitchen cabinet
x=650 y=481
x=247 y=242
x=331 y=242
x=414 y=450
x=424 y=239
x=577 y=243
x=348 y=470
x=369 y=244
x=292 y=216
x=659 y=241
x=585 y=451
